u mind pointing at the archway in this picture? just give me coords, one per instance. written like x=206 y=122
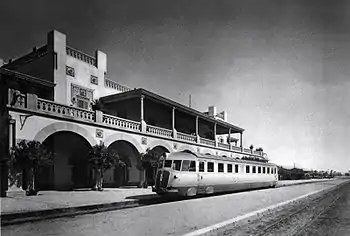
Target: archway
x=70 y=167
x=129 y=174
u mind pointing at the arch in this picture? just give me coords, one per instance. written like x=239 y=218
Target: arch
x=207 y=150
x=186 y=147
x=224 y=154
x=161 y=143
x=47 y=131
x=124 y=137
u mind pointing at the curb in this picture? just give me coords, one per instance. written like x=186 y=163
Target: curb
x=23 y=217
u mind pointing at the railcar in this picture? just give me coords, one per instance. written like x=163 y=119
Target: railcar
x=189 y=174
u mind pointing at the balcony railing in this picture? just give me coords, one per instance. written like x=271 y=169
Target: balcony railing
x=81 y=56
x=207 y=142
x=22 y=101
x=121 y=123
x=223 y=145
x=186 y=137
x=159 y=131
x=112 y=84
x=64 y=110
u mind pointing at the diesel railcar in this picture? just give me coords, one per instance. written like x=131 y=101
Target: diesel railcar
x=188 y=174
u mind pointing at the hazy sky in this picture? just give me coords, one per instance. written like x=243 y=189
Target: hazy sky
x=279 y=68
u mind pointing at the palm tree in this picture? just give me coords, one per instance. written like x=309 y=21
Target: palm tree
x=28 y=157
x=100 y=160
x=149 y=163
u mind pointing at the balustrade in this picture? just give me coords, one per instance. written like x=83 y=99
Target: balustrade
x=186 y=137
x=224 y=145
x=120 y=122
x=207 y=142
x=159 y=131
x=81 y=56
x=111 y=84
x=59 y=109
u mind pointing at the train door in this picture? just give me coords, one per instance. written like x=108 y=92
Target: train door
x=201 y=176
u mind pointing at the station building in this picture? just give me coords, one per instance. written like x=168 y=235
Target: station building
x=50 y=94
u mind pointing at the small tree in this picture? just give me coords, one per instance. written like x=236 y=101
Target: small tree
x=149 y=163
x=100 y=160
x=28 y=157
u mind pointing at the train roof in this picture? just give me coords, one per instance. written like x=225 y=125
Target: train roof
x=180 y=156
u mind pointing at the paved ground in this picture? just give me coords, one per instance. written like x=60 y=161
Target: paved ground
x=17 y=201
x=175 y=218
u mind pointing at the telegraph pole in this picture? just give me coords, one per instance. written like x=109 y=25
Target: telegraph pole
x=190 y=99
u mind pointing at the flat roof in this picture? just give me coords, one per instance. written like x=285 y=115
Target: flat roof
x=136 y=93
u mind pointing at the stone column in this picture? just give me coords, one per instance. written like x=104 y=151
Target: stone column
x=229 y=138
x=143 y=123
x=173 y=123
x=197 y=130
x=241 y=140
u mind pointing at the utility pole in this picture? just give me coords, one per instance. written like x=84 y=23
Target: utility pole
x=190 y=99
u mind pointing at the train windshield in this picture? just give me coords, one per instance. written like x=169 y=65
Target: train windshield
x=167 y=163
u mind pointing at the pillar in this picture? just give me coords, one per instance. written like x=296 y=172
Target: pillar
x=197 y=130
x=173 y=123
x=143 y=123
x=229 y=138
x=216 y=141
x=241 y=140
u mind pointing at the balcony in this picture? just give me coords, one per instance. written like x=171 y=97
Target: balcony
x=31 y=103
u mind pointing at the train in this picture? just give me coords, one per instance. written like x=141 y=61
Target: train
x=189 y=174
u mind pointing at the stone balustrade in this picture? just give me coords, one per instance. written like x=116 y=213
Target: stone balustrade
x=186 y=137
x=32 y=102
x=81 y=56
x=114 y=85
x=159 y=131
x=121 y=123
x=207 y=142
x=64 y=110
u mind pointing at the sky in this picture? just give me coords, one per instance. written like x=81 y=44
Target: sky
x=279 y=68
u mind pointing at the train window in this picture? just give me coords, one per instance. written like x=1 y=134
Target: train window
x=259 y=169
x=210 y=166
x=264 y=170
x=236 y=168
x=192 y=166
x=268 y=170
x=177 y=165
x=201 y=166
x=220 y=167
x=246 y=169
x=229 y=168
x=167 y=163
x=185 y=165
x=254 y=169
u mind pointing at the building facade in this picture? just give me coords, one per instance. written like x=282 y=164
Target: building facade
x=50 y=95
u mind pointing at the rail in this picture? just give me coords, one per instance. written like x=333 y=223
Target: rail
x=59 y=109
x=224 y=145
x=159 y=131
x=186 y=137
x=111 y=84
x=208 y=142
x=81 y=56
x=121 y=123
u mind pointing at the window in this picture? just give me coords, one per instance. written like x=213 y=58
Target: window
x=236 y=168
x=94 y=80
x=185 y=165
x=192 y=166
x=264 y=170
x=229 y=168
x=201 y=166
x=70 y=71
x=220 y=167
x=254 y=169
x=177 y=165
x=259 y=169
x=268 y=170
x=246 y=169
x=210 y=167
x=167 y=163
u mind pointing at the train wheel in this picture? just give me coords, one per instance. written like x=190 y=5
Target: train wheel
x=191 y=192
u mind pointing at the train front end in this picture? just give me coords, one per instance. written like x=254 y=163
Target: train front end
x=162 y=177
